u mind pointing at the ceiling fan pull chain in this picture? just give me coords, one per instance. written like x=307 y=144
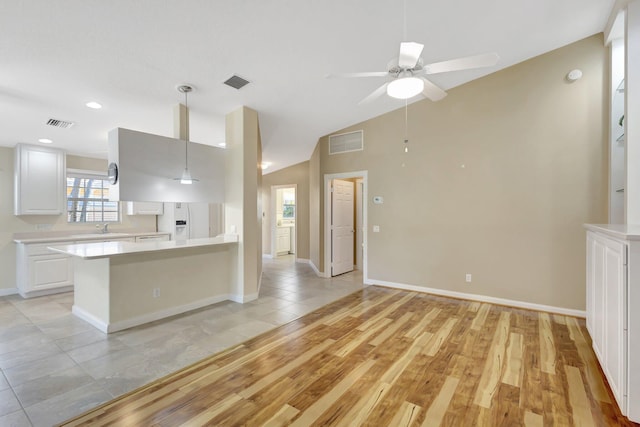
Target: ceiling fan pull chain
x=406 y=126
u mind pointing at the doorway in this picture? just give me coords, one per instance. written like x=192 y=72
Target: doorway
x=283 y=214
x=344 y=239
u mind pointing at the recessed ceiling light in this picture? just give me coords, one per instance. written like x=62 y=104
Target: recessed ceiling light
x=45 y=140
x=94 y=105
x=222 y=144
x=265 y=165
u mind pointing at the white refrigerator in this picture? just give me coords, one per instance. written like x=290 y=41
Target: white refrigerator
x=185 y=220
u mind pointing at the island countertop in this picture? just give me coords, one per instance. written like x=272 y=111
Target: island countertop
x=116 y=248
x=620 y=231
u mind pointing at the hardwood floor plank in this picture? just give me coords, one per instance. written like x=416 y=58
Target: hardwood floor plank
x=436 y=341
x=532 y=420
x=203 y=417
x=492 y=372
x=392 y=329
x=547 y=345
x=513 y=370
x=356 y=339
x=580 y=407
x=284 y=370
x=283 y=417
x=417 y=360
x=436 y=411
x=361 y=410
x=315 y=411
x=385 y=312
x=419 y=327
x=407 y=415
x=481 y=316
x=594 y=378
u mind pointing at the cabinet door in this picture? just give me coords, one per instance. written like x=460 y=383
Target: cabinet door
x=50 y=271
x=615 y=345
x=598 y=294
x=39 y=181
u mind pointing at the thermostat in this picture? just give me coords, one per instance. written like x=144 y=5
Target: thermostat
x=378 y=200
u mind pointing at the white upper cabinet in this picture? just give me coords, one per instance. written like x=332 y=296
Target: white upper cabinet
x=145 y=208
x=39 y=180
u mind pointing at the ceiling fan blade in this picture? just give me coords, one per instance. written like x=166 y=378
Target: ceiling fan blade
x=432 y=91
x=375 y=94
x=409 y=54
x=476 y=61
x=350 y=75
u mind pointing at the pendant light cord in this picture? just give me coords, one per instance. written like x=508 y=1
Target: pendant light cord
x=186 y=142
x=406 y=121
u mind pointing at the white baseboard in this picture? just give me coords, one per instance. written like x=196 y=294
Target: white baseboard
x=8 y=291
x=90 y=318
x=315 y=269
x=243 y=298
x=268 y=256
x=302 y=260
x=145 y=318
x=481 y=298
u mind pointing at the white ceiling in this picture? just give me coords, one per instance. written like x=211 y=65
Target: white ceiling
x=56 y=55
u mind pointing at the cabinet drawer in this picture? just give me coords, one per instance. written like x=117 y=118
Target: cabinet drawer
x=41 y=248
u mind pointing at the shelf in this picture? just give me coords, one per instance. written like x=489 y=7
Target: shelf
x=620 y=190
x=620 y=138
x=620 y=87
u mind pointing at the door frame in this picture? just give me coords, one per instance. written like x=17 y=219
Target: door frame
x=327 y=218
x=273 y=221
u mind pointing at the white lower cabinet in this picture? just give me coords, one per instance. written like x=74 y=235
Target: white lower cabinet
x=41 y=272
x=283 y=240
x=610 y=296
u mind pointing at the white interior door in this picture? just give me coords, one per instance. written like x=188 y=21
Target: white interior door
x=342 y=227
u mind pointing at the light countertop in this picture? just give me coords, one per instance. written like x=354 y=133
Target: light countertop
x=56 y=237
x=115 y=248
x=619 y=231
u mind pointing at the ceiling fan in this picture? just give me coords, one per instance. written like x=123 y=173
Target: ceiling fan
x=408 y=73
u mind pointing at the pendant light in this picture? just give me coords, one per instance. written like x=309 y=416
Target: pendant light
x=186 y=175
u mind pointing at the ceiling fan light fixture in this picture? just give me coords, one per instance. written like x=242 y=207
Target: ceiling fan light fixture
x=405 y=87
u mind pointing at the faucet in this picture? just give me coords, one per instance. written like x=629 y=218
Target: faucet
x=104 y=228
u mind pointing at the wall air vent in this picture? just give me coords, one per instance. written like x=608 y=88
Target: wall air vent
x=236 y=82
x=346 y=142
x=59 y=123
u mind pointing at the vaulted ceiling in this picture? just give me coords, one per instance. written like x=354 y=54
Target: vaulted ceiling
x=56 y=55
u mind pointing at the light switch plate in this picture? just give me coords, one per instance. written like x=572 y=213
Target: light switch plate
x=376 y=228
x=378 y=200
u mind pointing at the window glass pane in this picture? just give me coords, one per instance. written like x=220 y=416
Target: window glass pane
x=87 y=200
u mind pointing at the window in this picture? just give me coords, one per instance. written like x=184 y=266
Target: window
x=88 y=198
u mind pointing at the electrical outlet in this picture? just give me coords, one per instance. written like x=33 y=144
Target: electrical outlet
x=376 y=228
x=467 y=278
x=156 y=292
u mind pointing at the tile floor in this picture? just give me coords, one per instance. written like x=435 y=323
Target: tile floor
x=54 y=366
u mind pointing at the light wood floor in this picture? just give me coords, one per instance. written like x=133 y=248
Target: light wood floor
x=385 y=357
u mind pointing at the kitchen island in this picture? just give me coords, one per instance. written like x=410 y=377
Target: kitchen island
x=119 y=285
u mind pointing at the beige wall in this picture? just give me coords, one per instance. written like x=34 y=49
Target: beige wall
x=298 y=175
x=10 y=224
x=498 y=180
x=315 y=243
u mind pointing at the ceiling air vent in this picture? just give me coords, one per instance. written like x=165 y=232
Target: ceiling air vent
x=59 y=123
x=236 y=82
x=345 y=142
